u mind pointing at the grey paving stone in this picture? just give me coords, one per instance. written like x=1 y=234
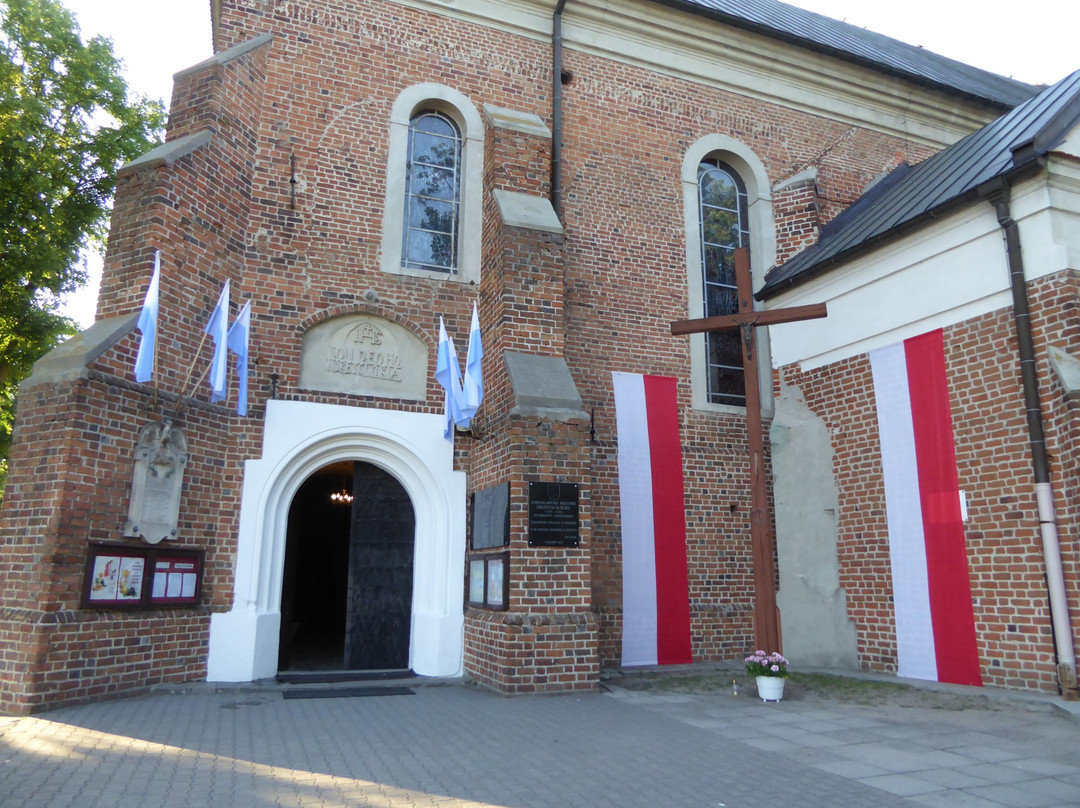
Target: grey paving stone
x=1052 y=768
x=1029 y=795
x=903 y=785
x=458 y=747
x=952 y=799
x=999 y=773
x=851 y=768
x=991 y=754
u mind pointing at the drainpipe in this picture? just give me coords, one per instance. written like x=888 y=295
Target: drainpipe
x=1044 y=493
x=556 y=108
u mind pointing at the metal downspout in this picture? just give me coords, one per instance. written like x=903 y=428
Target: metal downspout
x=556 y=108
x=1044 y=493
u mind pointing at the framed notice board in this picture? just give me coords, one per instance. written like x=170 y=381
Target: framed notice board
x=123 y=576
x=489 y=581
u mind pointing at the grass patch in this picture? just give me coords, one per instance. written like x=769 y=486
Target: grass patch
x=811 y=687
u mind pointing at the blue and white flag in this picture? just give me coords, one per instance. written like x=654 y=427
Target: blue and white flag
x=148 y=317
x=448 y=374
x=239 y=332
x=218 y=329
x=474 y=376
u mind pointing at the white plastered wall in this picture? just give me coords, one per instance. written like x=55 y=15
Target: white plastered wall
x=299 y=439
x=945 y=273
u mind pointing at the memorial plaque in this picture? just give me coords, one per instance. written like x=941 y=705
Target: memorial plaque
x=491 y=517
x=553 y=515
x=157 y=481
x=364 y=355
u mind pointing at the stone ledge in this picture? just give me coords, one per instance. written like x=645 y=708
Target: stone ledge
x=542 y=383
x=69 y=360
x=235 y=52
x=524 y=122
x=168 y=153
x=527 y=212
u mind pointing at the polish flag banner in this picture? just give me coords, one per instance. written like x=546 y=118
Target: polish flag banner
x=656 y=597
x=935 y=621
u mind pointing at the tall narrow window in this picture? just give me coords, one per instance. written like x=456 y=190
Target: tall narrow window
x=723 y=205
x=432 y=193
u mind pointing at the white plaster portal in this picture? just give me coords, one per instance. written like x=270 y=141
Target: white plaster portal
x=299 y=439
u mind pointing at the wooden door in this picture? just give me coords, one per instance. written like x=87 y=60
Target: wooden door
x=380 y=572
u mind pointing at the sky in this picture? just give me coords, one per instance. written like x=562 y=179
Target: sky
x=1037 y=46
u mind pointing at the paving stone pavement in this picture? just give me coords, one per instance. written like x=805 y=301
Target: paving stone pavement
x=460 y=747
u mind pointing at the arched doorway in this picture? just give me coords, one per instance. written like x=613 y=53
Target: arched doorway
x=299 y=439
x=347 y=585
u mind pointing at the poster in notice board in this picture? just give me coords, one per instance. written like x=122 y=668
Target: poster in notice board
x=121 y=576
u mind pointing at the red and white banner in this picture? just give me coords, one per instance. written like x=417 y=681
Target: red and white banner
x=935 y=622
x=656 y=598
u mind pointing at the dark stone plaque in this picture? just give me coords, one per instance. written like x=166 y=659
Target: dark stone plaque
x=491 y=517
x=553 y=514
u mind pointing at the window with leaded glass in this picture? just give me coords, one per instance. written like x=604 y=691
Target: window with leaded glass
x=432 y=193
x=723 y=206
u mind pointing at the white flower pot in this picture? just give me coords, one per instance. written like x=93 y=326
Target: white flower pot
x=770 y=688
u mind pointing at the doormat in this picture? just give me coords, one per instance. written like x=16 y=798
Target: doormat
x=325 y=677
x=346 y=692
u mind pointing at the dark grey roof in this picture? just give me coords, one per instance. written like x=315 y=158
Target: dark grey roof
x=911 y=194
x=851 y=43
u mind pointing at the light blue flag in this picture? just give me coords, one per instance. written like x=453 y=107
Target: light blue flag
x=474 y=376
x=239 y=332
x=448 y=374
x=148 y=317
x=218 y=329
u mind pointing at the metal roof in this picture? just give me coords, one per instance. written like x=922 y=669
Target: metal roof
x=851 y=43
x=951 y=177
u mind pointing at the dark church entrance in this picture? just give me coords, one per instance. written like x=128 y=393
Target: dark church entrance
x=346 y=597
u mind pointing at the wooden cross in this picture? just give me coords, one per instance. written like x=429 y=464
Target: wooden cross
x=766 y=615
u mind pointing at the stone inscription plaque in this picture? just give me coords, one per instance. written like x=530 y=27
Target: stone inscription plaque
x=364 y=355
x=553 y=515
x=491 y=517
x=156 y=484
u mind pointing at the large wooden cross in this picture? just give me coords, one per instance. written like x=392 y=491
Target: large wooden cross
x=746 y=319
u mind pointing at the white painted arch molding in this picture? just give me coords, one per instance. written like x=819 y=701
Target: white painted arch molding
x=299 y=439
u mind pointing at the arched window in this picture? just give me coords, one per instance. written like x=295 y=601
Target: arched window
x=432 y=218
x=726 y=204
x=432 y=193
x=724 y=227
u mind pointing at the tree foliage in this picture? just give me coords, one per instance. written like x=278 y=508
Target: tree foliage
x=67 y=123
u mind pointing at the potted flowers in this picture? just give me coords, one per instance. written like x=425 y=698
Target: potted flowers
x=770 y=671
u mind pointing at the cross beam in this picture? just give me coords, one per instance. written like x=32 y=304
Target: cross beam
x=766 y=614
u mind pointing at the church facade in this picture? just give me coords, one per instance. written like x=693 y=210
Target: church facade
x=361 y=173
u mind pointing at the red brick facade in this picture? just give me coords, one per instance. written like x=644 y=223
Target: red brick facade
x=1004 y=547
x=285 y=199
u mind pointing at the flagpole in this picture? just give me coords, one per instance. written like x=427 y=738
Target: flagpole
x=192 y=368
x=157 y=327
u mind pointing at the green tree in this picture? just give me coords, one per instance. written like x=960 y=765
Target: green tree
x=67 y=123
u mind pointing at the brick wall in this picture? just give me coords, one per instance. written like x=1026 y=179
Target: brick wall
x=1004 y=549
x=286 y=201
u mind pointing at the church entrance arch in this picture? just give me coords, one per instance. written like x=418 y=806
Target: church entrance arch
x=346 y=597
x=299 y=440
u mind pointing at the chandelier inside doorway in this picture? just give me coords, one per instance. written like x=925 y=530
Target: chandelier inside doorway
x=342 y=497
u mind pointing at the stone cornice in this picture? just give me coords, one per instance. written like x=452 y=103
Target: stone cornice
x=693 y=48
